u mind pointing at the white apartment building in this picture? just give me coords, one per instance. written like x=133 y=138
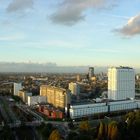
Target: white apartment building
x=17 y=88
x=121 y=83
x=74 y=88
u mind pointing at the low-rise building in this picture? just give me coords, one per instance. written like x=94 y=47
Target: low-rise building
x=84 y=110
x=33 y=100
x=122 y=105
x=51 y=112
x=91 y=109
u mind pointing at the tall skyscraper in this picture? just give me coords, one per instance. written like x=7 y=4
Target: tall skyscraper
x=121 y=83
x=91 y=72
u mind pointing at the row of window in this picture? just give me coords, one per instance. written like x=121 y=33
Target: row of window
x=90 y=111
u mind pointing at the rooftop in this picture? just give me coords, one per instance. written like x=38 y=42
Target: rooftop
x=122 y=67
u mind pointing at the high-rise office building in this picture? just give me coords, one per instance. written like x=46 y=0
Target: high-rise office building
x=121 y=83
x=74 y=88
x=91 y=72
x=17 y=88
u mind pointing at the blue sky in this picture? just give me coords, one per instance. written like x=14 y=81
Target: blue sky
x=70 y=32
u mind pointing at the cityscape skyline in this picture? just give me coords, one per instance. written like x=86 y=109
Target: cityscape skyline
x=91 y=32
x=53 y=68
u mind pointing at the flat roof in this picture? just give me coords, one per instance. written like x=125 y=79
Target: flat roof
x=122 y=67
x=86 y=102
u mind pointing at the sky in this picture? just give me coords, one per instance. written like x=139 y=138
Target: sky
x=70 y=32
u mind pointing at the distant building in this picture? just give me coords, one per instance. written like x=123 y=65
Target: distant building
x=17 y=88
x=121 y=83
x=91 y=72
x=33 y=100
x=93 y=79
x=39 y=78
x=137 y=77
x=56 y=96
x=78 y=78
x=24 y=95
x=74 y=88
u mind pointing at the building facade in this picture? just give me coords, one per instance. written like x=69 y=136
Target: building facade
x=78 y=78
x=17 y=88
x=33 y=100
x=58 y=97
x=91 y=72
x=24 y=95
x=121 y=83
x=85 y=110
x=74 y=88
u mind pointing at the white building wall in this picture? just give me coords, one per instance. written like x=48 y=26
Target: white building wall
x=27 y=94
x=78 y=111
x=32 y=100
x=17 y=88
x=138 y=103
x=122 y=105
x=121 y=83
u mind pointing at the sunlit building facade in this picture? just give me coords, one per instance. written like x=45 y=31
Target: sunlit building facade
x=56 y=96
x=121 y=83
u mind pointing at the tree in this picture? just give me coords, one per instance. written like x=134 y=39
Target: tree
x=100 y=131
x=112 y=130
x=45 y=130
x=122 y=127
x=84 y=126
x=55 y=135
x=114 y=133
x=136 y=126
x=6 y=133
x=72 y=135
x=82 y=137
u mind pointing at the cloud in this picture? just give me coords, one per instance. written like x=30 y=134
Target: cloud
x=72 y=11
x=12 y=37
x=40 y=67
x=132 y=27
x=65 y=44
x=20 y=5
x=117 y=16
